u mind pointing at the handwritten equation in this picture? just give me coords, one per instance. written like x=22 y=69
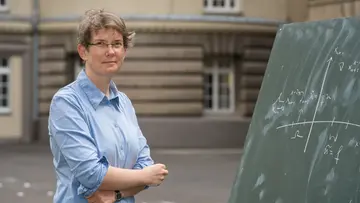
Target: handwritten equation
x=330 y=149
x=296 y=97
x=301 y=98
x=351 y=67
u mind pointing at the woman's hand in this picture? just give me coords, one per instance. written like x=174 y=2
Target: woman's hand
x=154 y=174
x=102 y=196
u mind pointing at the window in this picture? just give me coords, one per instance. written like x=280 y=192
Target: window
x=219 y=86
x=4 y=85
x=222 y=6
x=4 y=5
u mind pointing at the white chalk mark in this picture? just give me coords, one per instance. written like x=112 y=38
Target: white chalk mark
x=338 y=154
x=297 y=134
x=1 y=185
x=333 y=121
x=341 y=65
x=50 y=193
x=300 y=112
x=318 y=101
x=347 y=125
x=338 y=52
x=315 y=122
x=334 y=137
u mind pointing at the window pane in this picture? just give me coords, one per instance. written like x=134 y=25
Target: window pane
x=2 y=2
x=224 y=78
x=222 y=3
x=232 y=3
x=4 y=62
x=224 y=103
x=224 y=90
x=208 y=91
x=205 y=3
x=3 y=90
x=4 y=79
x=208 y=103
x=215 y=3
x=4 y=102
x=208 y=85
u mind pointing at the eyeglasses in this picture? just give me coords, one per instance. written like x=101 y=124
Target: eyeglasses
x=104 y=45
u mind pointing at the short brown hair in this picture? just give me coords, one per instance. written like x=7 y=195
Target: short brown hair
x=97 y=19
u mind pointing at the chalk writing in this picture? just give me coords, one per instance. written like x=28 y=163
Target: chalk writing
x=352 y=67
x=334 y=138
x=297 y=135
x=334 y=153
x=337 y=52
x=297 y=97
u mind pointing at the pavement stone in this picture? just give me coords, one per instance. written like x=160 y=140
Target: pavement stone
x=195 y=175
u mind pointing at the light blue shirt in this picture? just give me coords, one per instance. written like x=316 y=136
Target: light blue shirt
x=88 y=132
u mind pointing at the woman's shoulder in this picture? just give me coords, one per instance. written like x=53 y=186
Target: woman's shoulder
x=66 y=95
x=124 y=99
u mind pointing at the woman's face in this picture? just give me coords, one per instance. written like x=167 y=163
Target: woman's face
x=105 y=54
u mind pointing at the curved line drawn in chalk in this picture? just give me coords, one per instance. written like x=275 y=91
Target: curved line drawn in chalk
x=297 y=134
x=316 y=122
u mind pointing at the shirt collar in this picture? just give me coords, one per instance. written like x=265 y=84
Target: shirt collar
x=94 y=95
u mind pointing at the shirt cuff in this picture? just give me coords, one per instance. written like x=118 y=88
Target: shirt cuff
x=87 y=192
x=139 y=167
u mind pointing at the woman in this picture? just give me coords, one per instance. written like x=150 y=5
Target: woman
x=100 y=154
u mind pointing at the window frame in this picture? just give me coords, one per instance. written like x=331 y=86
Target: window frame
x=6 y=71
x=216 y=71
x=226 y=9
x=4 y=7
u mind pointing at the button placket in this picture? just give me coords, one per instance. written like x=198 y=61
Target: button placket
x=119 y=130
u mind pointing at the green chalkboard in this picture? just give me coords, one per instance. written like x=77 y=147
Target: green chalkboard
x=303 y=143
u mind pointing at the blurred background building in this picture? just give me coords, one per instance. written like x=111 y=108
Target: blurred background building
x=193 y=75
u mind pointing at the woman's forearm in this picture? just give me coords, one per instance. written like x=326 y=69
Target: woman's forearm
x=132 y=191
x=122 y=179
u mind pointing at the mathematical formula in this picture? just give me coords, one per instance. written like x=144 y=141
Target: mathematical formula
x=297 y=97
x=301 y=97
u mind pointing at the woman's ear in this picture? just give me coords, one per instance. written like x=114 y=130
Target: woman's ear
x=82 y=52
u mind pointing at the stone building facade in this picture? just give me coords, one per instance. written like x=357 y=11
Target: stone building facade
x=193 y=75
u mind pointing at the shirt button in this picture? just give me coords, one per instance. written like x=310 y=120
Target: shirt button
x=116 y=125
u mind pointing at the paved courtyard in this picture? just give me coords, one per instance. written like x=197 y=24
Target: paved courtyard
x=26 y=175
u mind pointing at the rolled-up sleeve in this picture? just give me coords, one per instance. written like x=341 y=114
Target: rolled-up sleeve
x=68 y=128
x=144 y=158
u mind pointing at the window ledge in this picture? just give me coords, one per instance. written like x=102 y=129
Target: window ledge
x=222 y=11
x=5 y=111
x=4 y=9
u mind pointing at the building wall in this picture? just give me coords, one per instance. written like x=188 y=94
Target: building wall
x=163 y=73
x=19 y=7
x=327 y=9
